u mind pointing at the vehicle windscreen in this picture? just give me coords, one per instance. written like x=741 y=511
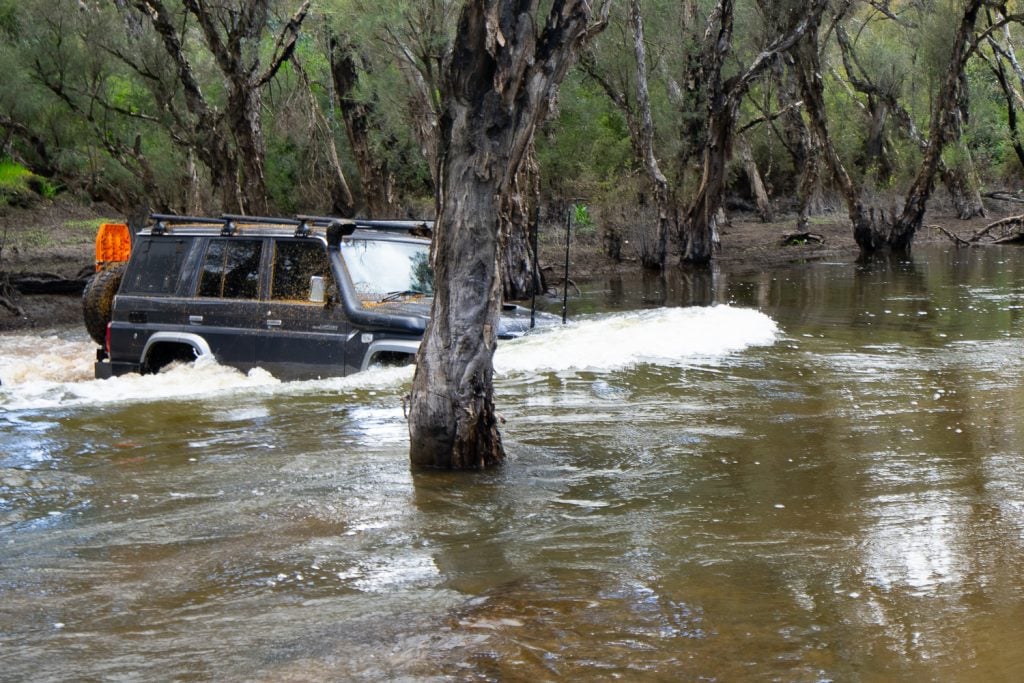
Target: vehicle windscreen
x=388 y=269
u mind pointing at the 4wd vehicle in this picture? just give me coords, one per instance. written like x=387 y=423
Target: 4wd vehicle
x=302 y=298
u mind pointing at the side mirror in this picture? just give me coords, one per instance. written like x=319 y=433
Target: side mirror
x=316 y=289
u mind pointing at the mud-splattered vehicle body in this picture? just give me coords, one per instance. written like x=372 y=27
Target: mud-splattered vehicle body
x=302 y=298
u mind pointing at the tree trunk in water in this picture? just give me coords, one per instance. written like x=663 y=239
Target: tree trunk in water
x=807 y=65
x=699 y=234
x=699 y=230
x=375 y=177
x=945 y=126
x=764 y=204
x=498 y=83
x=655 y=258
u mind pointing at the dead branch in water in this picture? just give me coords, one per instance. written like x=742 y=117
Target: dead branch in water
x=957 y=239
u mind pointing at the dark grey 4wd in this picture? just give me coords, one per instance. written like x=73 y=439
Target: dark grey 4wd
x=302 y=298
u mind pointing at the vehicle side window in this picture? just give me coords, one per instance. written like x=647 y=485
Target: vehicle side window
x=156 y=266
x=231 y=269
x=295 y=262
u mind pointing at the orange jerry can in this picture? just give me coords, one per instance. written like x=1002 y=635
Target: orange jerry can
x=113 y=245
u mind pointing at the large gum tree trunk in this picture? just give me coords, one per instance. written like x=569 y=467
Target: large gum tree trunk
x=499 y=81
x=945 y=126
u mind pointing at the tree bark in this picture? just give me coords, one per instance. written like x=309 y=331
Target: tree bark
x=499 y=80
x=801 y=144
x=520 y=273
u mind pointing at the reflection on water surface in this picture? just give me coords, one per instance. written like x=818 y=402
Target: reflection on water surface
x=817 y=475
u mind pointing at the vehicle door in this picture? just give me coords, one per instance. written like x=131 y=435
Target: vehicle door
x=302 y=331
x=225 y=309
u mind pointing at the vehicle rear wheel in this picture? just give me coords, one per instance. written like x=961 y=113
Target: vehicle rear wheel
x=98 y=299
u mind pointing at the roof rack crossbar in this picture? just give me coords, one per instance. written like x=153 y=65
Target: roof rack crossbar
x=172 y=218
x=262 y=220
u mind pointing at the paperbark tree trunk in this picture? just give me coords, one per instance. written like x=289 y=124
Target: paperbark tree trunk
x=961 y=181
x=945 y=126
x=662 y=194
x=874 y=232
x=698 y=234
x=499 y=81
x=801 y=144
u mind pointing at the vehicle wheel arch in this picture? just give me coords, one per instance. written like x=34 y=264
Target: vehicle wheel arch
x=163 y=348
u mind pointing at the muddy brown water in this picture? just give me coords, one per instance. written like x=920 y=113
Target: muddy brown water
x=814 y=474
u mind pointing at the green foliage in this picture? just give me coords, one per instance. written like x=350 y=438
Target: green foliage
x=581 y=219
x=89 y=85
x=21 y=187
x=587 y=146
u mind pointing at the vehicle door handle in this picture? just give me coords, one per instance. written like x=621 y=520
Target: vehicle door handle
x=195 y=320
x=273 y=323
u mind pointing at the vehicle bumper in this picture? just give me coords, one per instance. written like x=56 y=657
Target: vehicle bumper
x=105 y=369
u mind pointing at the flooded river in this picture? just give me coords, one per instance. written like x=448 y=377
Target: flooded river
x=811 y=474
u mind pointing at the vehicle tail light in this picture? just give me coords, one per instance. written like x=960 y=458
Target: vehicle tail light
x=106 y=344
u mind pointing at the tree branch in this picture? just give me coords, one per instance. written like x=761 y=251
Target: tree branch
x=769 y=117
x=285 y=44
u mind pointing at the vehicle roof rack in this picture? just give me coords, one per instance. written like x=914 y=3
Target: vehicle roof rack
x=230 y=221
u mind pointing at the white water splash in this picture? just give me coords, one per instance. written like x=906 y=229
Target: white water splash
x=663 y=336
x=35 y=358
x=45 y=372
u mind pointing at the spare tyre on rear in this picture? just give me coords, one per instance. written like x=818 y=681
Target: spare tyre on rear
x=98 y=299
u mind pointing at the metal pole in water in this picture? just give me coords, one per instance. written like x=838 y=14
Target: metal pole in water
x=536 y=267
x=568 y=235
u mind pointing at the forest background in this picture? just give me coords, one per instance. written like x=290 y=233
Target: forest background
x=333 y=106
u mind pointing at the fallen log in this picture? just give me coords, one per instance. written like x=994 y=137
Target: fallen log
x=1004 y=197
x=46 y=283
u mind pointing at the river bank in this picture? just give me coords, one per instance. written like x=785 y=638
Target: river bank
x=56 y=236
